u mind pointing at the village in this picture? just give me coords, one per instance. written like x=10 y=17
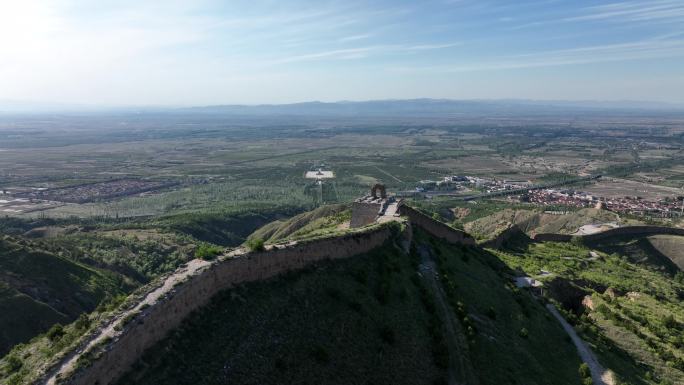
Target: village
x=633 y=205
x=527 y=192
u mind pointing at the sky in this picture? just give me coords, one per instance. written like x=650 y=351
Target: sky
x=201 y=52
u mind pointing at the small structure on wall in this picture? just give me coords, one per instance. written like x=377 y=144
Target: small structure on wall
x=370 y=208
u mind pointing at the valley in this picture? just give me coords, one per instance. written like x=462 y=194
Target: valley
x=98 y=222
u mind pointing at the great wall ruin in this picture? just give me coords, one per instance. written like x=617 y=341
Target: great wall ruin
x=616 y=232
x=109 y=352
x=115 y=349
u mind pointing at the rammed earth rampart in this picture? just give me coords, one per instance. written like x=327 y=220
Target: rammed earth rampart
x=113 y=351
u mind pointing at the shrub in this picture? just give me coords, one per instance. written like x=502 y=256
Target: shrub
x=208 y=252
x=255 y=244
x=56 y=332
x=679 y=277
x=458 y=225
x=83 y=322
x=524 y=333
x=670 y=322
x=13 y=363
x=584 y=371
x=603 y=309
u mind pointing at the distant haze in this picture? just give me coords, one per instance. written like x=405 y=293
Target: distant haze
x=374 y=108
x=62 y=54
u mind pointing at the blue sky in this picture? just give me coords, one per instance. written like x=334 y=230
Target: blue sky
x=257 y=51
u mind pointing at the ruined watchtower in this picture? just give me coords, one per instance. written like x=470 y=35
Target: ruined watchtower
x=368 y=209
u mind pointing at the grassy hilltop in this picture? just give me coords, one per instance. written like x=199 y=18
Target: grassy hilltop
x=369 y=319
x=378 y=318
x=42 y=289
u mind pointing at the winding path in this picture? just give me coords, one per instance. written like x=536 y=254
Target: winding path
x=460 y=371
x=599 y=374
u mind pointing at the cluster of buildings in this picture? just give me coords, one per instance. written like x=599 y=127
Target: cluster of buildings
x=460 y=182
x=95 y=191
x=629 y=205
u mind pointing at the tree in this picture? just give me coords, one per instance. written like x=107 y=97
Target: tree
x=255 y=244
x=207 y=252
x=584 y=370
x=56 y=332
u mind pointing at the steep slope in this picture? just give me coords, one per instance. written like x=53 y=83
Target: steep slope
x=306 y=224
x=511 y=337
x=224 y=228
x=642 y=251
x=672 y=246
x=535 y=221
x=370 y=319
x=626 y=307
x=39 y=289
x=351 y=321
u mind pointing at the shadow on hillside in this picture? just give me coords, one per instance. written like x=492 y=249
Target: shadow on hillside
x=638 y=250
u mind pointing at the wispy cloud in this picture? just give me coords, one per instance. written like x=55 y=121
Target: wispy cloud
x=639 y=50
x=664 y=11
x=144 y=51
x=633 y=11
x=362 y=52
x=349 y=53
x=346 y=39
x=422 y=47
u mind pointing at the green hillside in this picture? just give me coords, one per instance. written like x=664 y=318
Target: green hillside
x=537 y=221
x=227 y=227
x=39 y=289
x=671 y=246
x=645 y=251
x=310 y=223
x=372 y=319
x=620 y=299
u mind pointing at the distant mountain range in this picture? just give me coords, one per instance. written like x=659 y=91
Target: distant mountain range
x=391 y=107
x=437 y=107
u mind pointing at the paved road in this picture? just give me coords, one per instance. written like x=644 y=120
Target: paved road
x=599 y=374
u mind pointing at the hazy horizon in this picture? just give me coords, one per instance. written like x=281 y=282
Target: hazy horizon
x=374 y=105
x=144 y=53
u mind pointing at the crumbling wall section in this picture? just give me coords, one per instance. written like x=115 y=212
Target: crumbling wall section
x=620 y=231
x=154 y=322
x=364 y=213
x=434 y=227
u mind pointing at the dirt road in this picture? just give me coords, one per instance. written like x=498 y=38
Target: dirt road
x=460 y=371
x=599 y=374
